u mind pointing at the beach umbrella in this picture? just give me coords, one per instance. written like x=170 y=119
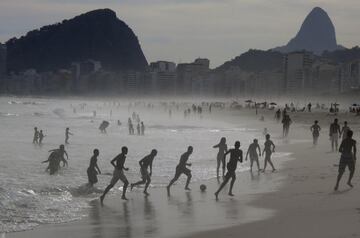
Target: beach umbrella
x=249 y=101
x=273 y=103
x=336 y=104
x=354 y=105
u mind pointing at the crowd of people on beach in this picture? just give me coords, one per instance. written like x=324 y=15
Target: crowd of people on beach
x=228 y=168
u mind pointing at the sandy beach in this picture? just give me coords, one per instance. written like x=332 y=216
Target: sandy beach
x=296 y=201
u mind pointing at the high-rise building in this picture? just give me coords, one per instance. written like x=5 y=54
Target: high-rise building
x=190 y=75
x=297 y=72
x=3 y=60
x=349 y=76
x=163 y=77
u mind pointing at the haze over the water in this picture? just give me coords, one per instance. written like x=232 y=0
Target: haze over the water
x=181 y=30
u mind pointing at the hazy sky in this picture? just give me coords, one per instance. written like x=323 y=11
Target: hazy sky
x=182 y=30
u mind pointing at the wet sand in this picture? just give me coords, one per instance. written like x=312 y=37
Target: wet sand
x=296 y=201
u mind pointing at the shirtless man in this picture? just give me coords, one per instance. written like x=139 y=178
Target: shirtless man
x=236 y=155
x=67 y=133
x=146 y=163
x=181 y=169
x=269 y=148
x=347 y=159
x=118 y=163
x=253 y=154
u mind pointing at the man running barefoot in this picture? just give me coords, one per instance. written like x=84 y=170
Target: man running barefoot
x=347 y=159
x=268 y=150
x=118 y=163
x=253 y=154
x=181 y=169
x=235 y=156
x=145 y=163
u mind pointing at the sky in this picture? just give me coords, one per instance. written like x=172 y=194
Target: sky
x=183 y=30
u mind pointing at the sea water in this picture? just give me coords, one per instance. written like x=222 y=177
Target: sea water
x=29 y=196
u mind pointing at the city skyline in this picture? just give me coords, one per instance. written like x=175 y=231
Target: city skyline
x=181 y=31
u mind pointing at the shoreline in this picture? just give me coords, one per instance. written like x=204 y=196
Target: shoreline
x=275 y=203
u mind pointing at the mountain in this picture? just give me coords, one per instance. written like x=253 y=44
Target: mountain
x=97 y=35
x=255 y=61
x=317 y=34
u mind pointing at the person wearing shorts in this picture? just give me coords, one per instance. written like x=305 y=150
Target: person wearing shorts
x=93 y=169
x=145 y=163
x=253 y=154
x=181 y=169
x=269 y=148
x=347 y=159
x=118 y=163
x=236 y=155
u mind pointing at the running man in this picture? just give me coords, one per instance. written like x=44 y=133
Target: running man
x=253 y=154
x=269 y=148
x=145 y=163
x=236 y=155
x=315 y=129
x=334 y=133
x=93 y=169
x=347 y=159
x=220 y=156
x=118 y=163
x=181 y=169
x=67 y=133
x=61 y=151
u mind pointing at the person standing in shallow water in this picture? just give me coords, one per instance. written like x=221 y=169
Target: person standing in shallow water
x=236 y=155
x=36 y=136
x=41 y=137
x=142 y=128
x=181 y=169
x=93 y=169
x=67 y=134
x=118 y=163
x=145 y=163
x=315 y=129
x=269 y=148
x=347 y=159
x=254 y=156
x=220 y=156
x=344 y=130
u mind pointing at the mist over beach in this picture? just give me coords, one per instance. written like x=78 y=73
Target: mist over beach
x=179 y=119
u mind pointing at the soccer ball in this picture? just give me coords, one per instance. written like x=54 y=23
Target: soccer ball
x=202 y=187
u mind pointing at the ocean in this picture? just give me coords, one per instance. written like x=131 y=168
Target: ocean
x=29 y=196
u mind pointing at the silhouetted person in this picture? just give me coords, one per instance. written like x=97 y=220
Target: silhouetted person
x=142 y=128
x=146 y=163
x=118 y=163
x=286 y=121
x=41 y=137
x=93 y=169
x=220 y=156
x=347 y=159
x=269 y=148
x=315 y=129
x=67 y=134
x=131 y=127
x=56 y=156
x=181 y=169
x=334 y=133
x=344 y=130
x=236 y=155
x=278 y=115
x=254 y=156
x=36 y=136
x=138 y=129
x=309 y=106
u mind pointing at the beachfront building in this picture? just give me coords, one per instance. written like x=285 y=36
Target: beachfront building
x=162 y=77
x=325 y=78
x=190 y=76
x=3 y=54
x=349 y=76
x=297 y=72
